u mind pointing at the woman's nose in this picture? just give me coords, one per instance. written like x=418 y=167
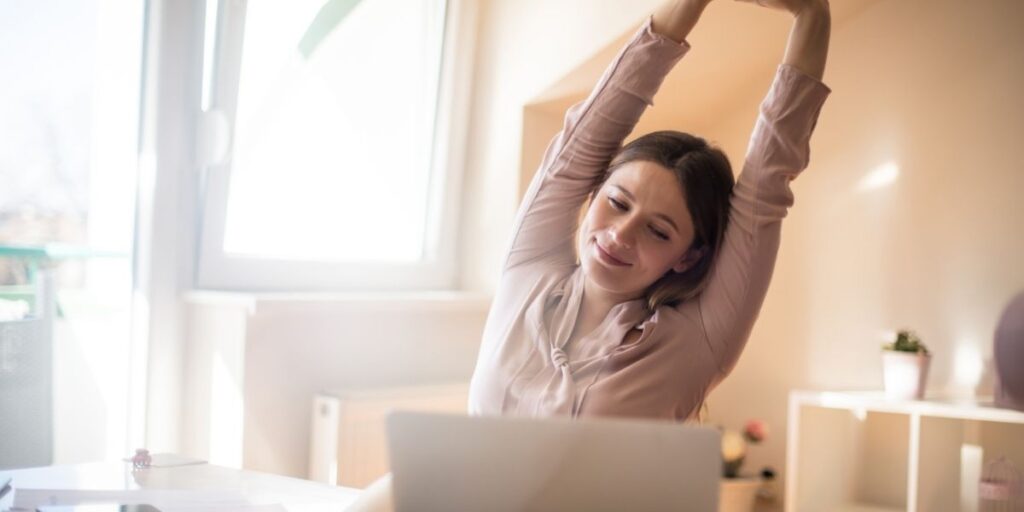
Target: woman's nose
x=623 y=234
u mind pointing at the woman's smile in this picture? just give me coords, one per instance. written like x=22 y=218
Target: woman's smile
x=607 y=257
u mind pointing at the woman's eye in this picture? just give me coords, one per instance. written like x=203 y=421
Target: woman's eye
x=659 y=234
x=618 y=205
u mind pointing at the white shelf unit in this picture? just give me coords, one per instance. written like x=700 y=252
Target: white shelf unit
x=859 y=451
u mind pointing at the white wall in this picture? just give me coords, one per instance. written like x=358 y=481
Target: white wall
x=254 y=363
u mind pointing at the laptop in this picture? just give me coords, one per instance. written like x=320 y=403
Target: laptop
x=442 y=462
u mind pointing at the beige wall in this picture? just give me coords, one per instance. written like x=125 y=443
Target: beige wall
x=929 y=86
x=255 y=362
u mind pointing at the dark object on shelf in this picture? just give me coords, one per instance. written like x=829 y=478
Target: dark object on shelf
x=1008 y=353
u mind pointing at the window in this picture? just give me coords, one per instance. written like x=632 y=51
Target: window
x=69 y=118
x=339 y=114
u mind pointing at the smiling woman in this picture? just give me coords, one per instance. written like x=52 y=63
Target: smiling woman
x=648 y=305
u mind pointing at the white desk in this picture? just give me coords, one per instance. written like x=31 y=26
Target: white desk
x=189 y=488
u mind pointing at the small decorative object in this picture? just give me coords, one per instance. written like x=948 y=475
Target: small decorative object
x=738 y=493
x=767 y=492
x=1008 y=353
x=1000 y=488
x=734 y=445
x=905 y=366
x=141 y=459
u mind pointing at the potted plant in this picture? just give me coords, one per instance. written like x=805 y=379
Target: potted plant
x=738 y=493
x=905 y=366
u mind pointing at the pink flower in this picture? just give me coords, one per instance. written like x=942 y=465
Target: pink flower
x=755 y=431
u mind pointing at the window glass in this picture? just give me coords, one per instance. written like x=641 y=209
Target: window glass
x=69 y=117
x=334 y=130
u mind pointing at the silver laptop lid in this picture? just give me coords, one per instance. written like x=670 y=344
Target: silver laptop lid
x=443 y=462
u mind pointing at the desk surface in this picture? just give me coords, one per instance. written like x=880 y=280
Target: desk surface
x=192 y=485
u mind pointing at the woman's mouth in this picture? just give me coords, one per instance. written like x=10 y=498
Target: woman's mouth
x=607 y=258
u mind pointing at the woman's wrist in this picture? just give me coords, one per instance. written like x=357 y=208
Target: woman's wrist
x=814 y=8
x=676 y=19
x=807 y=49
x=814 y=19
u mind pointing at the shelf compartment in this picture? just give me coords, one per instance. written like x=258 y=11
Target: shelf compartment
x=953 y=456
x=851 y=459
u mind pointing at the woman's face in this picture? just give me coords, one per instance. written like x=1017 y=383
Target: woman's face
x=636 y=229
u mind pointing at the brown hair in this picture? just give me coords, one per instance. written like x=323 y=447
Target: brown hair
x=706 y=179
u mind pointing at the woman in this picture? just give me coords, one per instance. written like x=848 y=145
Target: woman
x=647 y=306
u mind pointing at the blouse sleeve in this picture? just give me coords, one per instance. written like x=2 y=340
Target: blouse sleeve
x=778 y=151
x=578 y=156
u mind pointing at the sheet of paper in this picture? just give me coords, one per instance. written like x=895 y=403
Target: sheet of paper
x=30 y=499
x=241 y=508
x=107 y=507
x=319 y=507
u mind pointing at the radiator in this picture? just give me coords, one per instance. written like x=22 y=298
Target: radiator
x=348 y=443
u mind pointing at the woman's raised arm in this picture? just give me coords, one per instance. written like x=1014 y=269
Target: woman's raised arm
x=778 y=152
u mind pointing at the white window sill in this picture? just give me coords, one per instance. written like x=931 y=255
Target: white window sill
x=364 y=301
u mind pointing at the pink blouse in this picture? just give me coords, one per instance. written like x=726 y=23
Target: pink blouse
x=525 y=366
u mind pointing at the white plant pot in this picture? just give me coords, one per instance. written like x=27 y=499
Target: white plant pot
x=905 y=374
x=738 y=494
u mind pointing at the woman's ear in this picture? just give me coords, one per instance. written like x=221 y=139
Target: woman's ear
x=689 y=259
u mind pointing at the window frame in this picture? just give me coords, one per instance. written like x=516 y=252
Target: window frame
x=438 y=270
